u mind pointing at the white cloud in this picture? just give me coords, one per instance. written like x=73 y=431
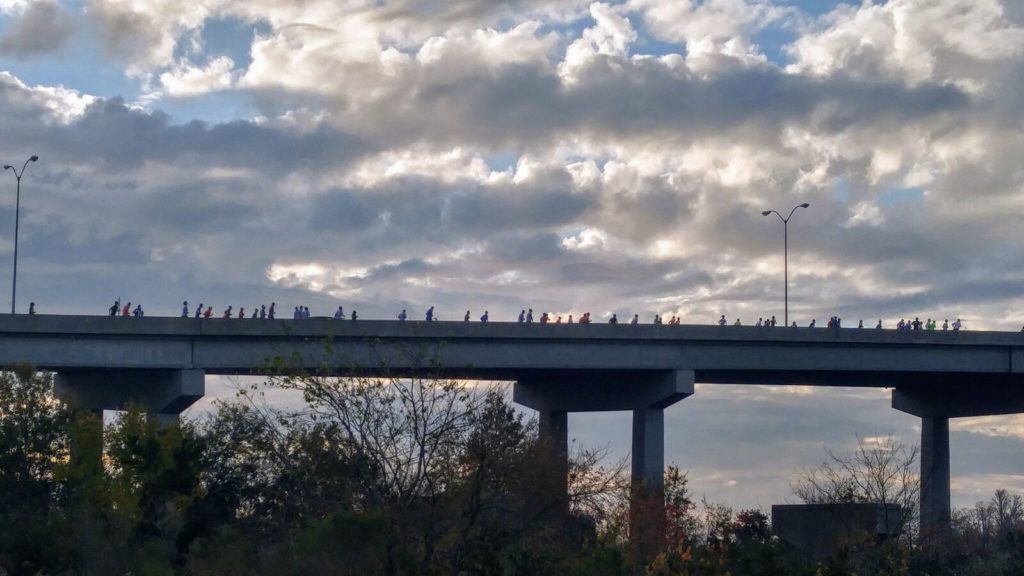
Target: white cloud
x=61 y=105
x=587 y=240
x=185 y=79
x=608 y=40
x=865 y=214
x=913 y=40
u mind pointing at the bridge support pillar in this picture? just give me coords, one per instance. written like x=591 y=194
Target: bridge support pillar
x=165 y=393
x=935 y=404
x=554 y=436
x=646 y=394
x=647 y=495
x=935 y=498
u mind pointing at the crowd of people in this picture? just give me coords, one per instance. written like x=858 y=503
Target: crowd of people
x=837 y=322
x=526 y=316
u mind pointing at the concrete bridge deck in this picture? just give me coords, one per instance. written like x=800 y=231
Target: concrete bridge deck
x=510 y=351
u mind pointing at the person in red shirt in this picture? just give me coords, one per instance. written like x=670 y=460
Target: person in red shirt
x=209 y=312
x=127 y=309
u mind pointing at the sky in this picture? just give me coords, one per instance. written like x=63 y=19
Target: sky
x=567 y=156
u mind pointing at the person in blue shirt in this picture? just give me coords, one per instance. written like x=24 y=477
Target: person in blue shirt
x=430 y=314
x=402 y=316
x=184 y=309
x=340 y=314
x=485 y=317
x=522 y=316
x=529 y=316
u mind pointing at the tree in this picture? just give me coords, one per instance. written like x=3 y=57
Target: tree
x=33 y=446
x=879 y=470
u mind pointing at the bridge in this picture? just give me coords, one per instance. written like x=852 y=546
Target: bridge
x=104 y=362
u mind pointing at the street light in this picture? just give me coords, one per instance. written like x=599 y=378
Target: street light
x=785 y=228
x=17 y=209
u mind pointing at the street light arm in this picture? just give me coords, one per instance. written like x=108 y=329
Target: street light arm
x=767 y=212
x=17 y=173
x=804 y=205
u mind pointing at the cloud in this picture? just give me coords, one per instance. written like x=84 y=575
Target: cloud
x=188 y=80
x=43 y=28
x=957 y=41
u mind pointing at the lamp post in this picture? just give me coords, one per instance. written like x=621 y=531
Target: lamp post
x=17 y=210
x=785 y=253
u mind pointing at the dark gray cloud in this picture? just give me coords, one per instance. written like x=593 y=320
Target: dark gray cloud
x=43 y=28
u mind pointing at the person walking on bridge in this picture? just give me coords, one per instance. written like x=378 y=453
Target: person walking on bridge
x=402 y=316
x=722 y=321
x=184 y=309
x=635 y=320
x=127 y=309
x=522 y=316
x=466 y=317
x=529 y=316
x=270 y=312
x=614 y=319
x=957 y=325
x=113 y=309
x=430 y=314
x=339 y=314
x=199 y=310
x=227 y=313
x=486 y=317
x=263 y=311
x=241 y=312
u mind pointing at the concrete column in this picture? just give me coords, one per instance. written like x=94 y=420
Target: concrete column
x=649 y=447
x=647 y=502
x=554 y=434
x=935 y=500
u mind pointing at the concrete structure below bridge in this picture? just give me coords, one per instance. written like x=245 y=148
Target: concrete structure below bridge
x=103 y=362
